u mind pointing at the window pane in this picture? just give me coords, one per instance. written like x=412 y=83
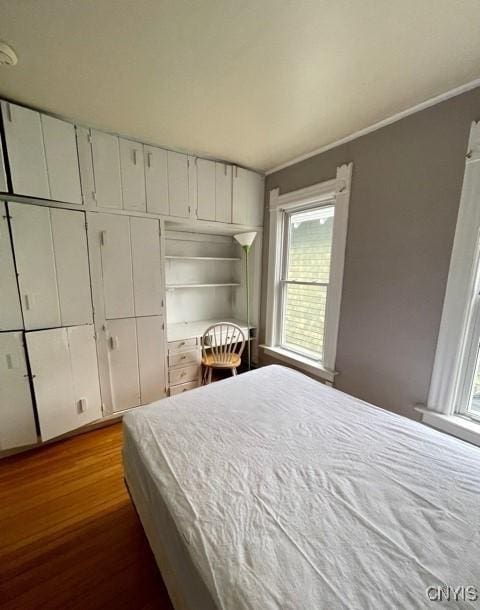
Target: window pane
x=304 y=318
x=475 y=396
x=310 y=245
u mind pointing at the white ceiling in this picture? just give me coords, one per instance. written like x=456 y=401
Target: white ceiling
x=257 y=82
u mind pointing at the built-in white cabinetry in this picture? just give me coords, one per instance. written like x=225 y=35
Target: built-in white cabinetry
x=106 y=170
x=10 y=310
x=65 y=378
x=42 y=154
x=52 y=263
x=205 y=189
x=131 y=265
x=3 y=173
x=156 y=180
x=178 y=184
x=151 y=358
x=133 y=175
x=223 y=192
x=247 y=197
x=17 y=421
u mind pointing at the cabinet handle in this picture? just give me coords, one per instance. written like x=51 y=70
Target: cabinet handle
x=183 y=374
x=28 y=303
x=9 y=112
x=114 y=343
x=149 y=160
x=82 y=405
x=103 y=238
x=134 y=156
x=181 y=343
x=183 y=358
x=236 y=171
x=8 y=358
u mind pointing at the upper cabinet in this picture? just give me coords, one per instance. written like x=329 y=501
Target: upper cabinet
x=205 y=189
x=156 y=180
x=10 y=311
x=133 y=175
x=223 y=192
x=42 y=154
x=247 y=197
x=178 y=184
x=106 y=170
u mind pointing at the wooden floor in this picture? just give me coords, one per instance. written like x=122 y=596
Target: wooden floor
x=69 y=536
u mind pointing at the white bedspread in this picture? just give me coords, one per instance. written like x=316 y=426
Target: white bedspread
x=296 y=496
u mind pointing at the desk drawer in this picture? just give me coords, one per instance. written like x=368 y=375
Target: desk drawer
x=184 y=374
x=182 y=358
x=182 y=345
x=183 y=387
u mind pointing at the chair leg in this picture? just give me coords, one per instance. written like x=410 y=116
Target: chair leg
x=234 y=372
x=210 y=371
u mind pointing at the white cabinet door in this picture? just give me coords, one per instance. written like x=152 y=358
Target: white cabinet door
x=178 y=184
x=3 y=173
x=146 y=263
x=106 y=170
x=64 y=366
x=133 y=175
x=71 y=264
x=156 y=180
x=205 y=189
x=151 y=358
x=223 y=192
x=62 y=159
x=17 y=421
x=247 y=197
x=123 y=363
x=33 y=245
x=113 y=234
x=26 y=153
x=10 y=311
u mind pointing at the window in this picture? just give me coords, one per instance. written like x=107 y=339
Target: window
x=305 y=272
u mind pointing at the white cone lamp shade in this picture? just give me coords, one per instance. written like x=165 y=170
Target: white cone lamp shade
x=246 y=240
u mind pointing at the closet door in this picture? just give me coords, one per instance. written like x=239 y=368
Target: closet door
x=33 y=244
x=178 y=184
x=26 y=153
x=247 y=197
x=223 y=192
x=10 y=311
x=156 y=180
x=123 y=361
x=205 y=189
x=62 y=160
x=64 y=365
x=133 y=175
x=114 y=238
x=146 y=262
x=17 y=421
x=106 y=170
x=71 y=264
x=151 y=358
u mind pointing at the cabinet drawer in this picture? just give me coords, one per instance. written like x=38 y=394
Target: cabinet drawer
x=184 y=374
x=182 y=358
x=182 y=345
x=183 y=387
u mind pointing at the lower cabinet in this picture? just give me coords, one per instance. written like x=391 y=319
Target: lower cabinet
x=65 y=378
x=17 y=421
x=136 y=359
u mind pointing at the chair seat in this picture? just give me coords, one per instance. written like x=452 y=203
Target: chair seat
x=232 y=361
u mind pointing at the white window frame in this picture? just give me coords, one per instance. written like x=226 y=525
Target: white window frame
x=459 y=332
x=331 y=192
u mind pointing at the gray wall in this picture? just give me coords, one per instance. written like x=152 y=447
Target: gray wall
x=406 y=185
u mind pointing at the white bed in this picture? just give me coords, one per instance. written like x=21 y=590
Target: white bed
x=272 y=491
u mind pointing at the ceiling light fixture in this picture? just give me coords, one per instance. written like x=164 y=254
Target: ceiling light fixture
x=8 y=57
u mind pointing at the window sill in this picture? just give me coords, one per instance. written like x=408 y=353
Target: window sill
x=302 y=362
x=461 y=427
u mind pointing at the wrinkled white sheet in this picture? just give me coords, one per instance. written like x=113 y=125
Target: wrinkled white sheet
x=293 y=495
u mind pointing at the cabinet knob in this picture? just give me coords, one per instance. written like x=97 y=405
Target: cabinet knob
x=114 y=343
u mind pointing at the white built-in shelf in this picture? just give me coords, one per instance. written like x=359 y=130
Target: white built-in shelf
x=203 y=258
x=173 y=286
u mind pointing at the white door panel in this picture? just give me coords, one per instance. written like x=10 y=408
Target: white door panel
x=17 y=421
x=123 y=360
x=133 y=175
x=106 y=169
x=205 y=189
x=151 y=358
x=223 y=192
x=33 y=245
x=114 y=237
x=147 y=275
x=71 y=260
x=247 y=197
x=156 y=180
x=26 y=153
x=10 y=311
x=178 y=184
x=62 y=159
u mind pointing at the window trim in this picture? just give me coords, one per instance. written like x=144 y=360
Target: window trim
x=337 y=192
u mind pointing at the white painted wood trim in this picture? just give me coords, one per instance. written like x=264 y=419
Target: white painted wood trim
x=462 y=281
x=383 y=123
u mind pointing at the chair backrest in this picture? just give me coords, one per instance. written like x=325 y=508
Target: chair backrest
x=222 y=340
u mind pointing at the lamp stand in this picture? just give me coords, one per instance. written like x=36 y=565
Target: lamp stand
x=246 y=250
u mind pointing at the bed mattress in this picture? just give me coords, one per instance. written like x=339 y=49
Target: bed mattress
x=271 y=490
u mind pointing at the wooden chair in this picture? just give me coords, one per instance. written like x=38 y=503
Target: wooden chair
x=222 y=348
